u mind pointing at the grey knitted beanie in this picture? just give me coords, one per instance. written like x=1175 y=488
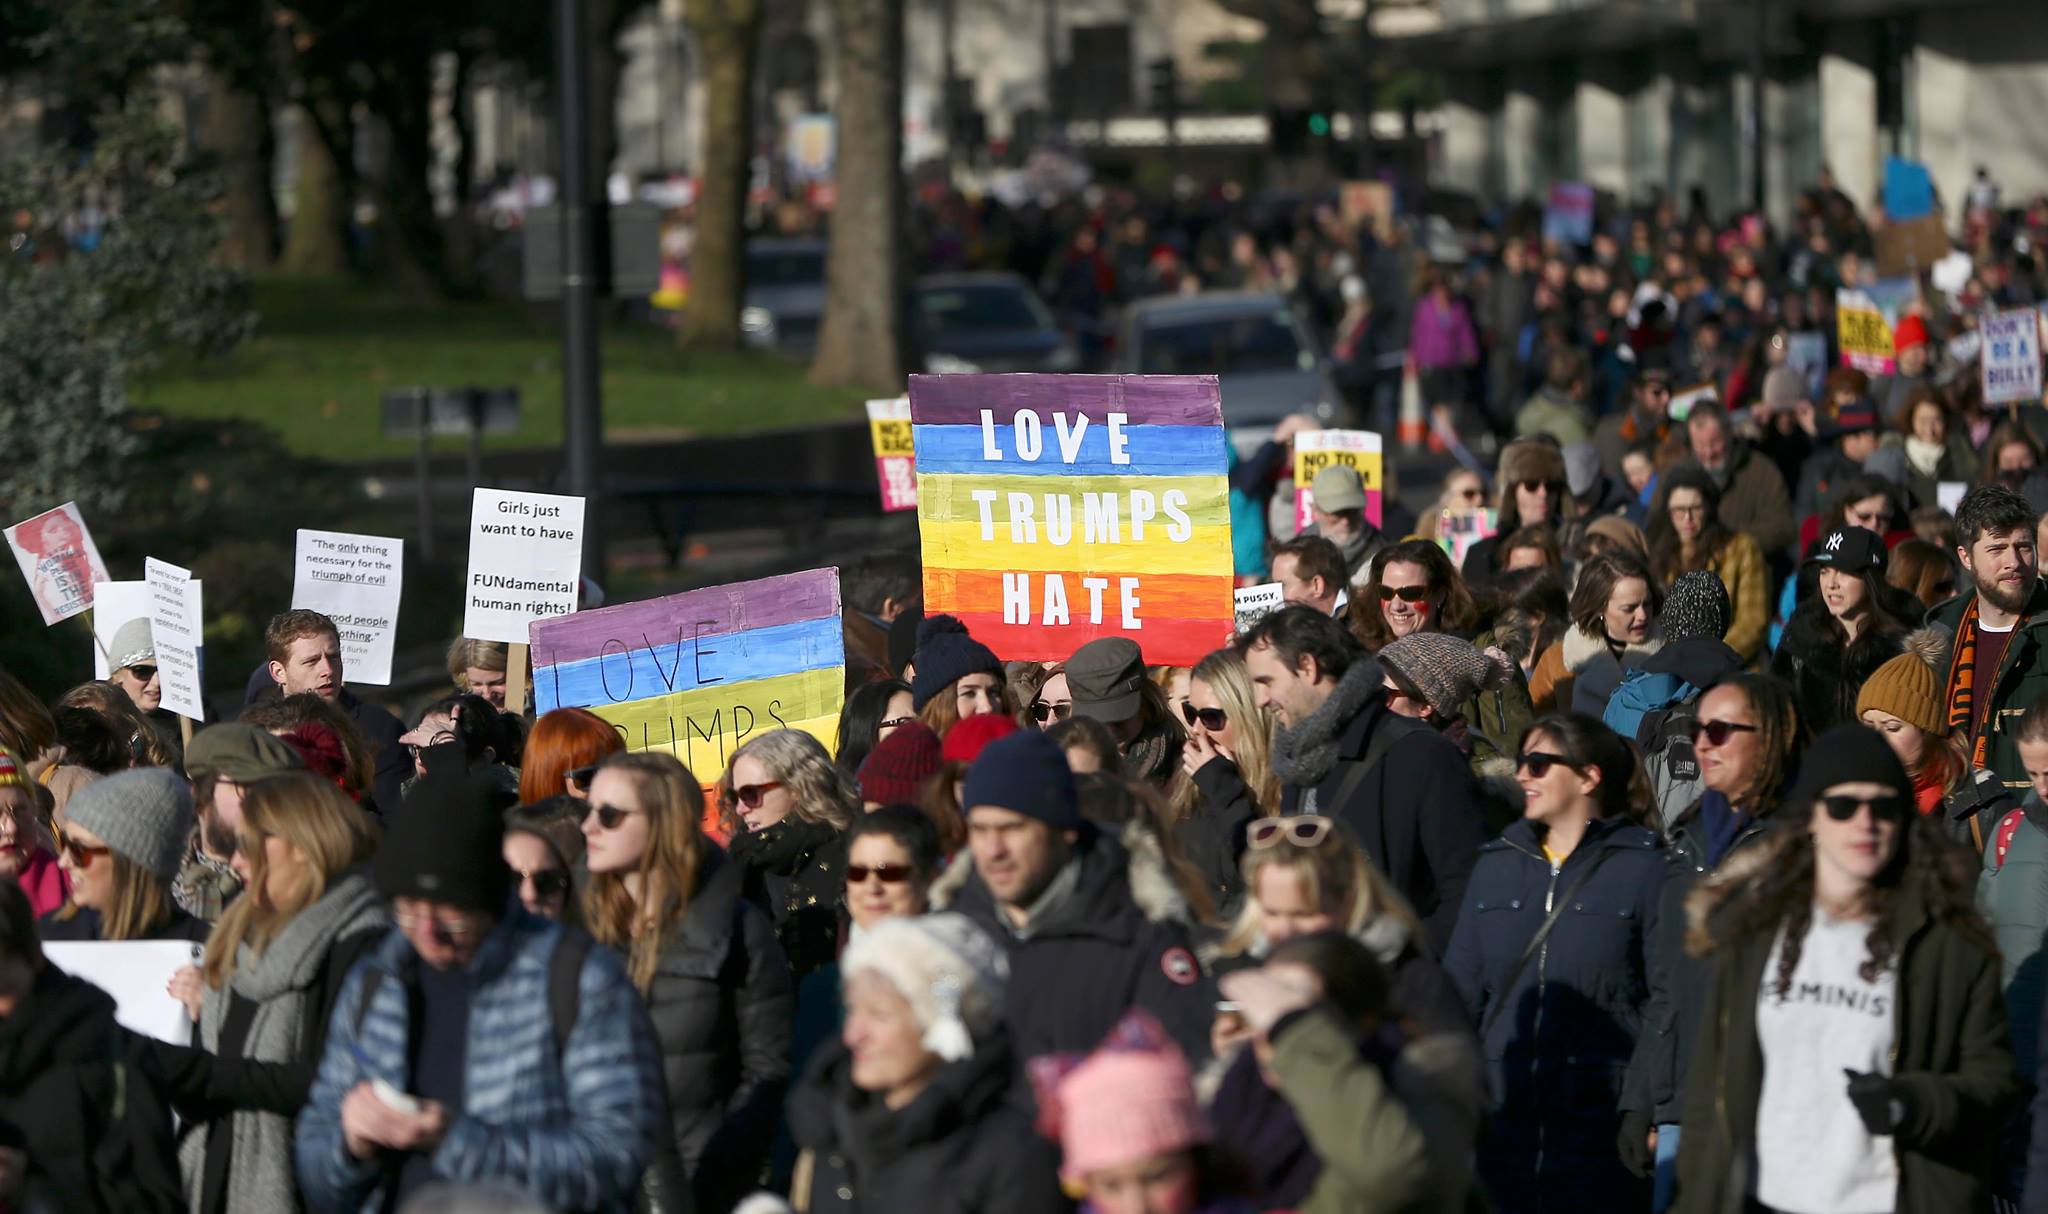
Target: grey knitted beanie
x=1447 y=670
x=145 y=815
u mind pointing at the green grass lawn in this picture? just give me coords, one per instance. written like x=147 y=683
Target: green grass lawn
x=325 y=352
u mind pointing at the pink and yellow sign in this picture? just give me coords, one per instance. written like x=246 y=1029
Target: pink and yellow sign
x=895 y=467
x=1055 y=509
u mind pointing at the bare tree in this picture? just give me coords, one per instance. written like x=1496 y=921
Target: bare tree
x=725 y=34
x=862 y=339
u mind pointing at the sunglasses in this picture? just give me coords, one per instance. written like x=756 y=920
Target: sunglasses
x=1407 y=594
x=581 y=776
x=547 y=883
x=142 y=674
x=1539 y=487
x=1718 y=732
x=1211 y=719
x=1892 y=808
x=81 y=855
x=887 y=874
x=1302 y=830
x=1539 y=762
x=440 y=739
x=1041 y=711
x=750 y=795
x=449 y=930
x=896 y=722
x=610 y=816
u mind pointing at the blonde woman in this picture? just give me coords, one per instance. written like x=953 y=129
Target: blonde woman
x=1227 y=769
x=273 y=969
x=786 y=806
x=1303 y=876
x=121 y=843
x=705 y=959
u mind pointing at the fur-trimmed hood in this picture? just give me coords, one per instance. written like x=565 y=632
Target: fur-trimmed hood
x=1131 y=858
x=1582 y=647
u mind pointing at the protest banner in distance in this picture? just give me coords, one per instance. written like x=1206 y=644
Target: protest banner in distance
x=2011 y=356
x=355 y=580
x=1255 y=603
x=1683 y=400
x=697 y=673
x=1862 y=332
x=1458 y=530
x=1568 y=213
x=525 y=560
x=1055 y=509
x=176 y=614
x=137 y=973
x=59 y=559
x=1358 y=450
x=895 y=468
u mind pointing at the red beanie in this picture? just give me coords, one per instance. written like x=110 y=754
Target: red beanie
x=966 y=740
x=896 y=769
x=1912 y=331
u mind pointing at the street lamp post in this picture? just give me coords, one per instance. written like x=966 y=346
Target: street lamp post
x=582 y=399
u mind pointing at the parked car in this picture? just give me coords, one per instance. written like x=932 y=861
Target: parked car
x=785 y=298
x=1269 y=364
x=964 y=323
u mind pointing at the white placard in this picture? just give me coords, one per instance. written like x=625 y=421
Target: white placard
x=354 y=580
x=59 y=559
x=115 y=604
x=1949 y=494
x=2011 y=361
x=525 y=558
x=135 y=973
x=175 y=618
x=1255 y=603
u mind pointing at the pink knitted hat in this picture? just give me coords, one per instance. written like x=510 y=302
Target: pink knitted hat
x=1123 y=1104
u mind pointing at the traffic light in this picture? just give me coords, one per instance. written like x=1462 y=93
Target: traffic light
x=1288 y=132
x=1319 y=125
x=1163 y=77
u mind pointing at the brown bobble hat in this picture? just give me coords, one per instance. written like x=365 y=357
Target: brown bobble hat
x=1906 y=688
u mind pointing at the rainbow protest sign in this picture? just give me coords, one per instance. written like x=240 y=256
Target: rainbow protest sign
x=698 y=673
x=1055 y=509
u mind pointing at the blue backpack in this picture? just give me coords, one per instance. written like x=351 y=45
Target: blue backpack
x=1641 y=693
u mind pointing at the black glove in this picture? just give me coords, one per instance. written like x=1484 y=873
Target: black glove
x=1633 y=1143
x=1884 y=1103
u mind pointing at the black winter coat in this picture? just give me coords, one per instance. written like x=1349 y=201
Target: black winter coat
x=1416 y=813
x=796 y=871
x=722 y=1004
x=1824 y=676
x=1212 y=836
x=962 y=1146
x=393 y=762
x=84 y=1101
x=1120 y=939
x=1557 y=1051
x=84 y=927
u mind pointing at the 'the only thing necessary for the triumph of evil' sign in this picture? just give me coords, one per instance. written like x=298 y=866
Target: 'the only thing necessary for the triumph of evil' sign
x=698 y=673
x=1055 y=509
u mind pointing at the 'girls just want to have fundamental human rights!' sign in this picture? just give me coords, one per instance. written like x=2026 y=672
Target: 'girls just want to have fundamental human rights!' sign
x=1055 y=509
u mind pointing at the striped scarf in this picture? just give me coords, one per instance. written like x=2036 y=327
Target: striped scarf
x=1963 y=685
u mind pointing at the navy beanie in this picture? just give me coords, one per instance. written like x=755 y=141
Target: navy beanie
x=1025 y=773
x=945 y=655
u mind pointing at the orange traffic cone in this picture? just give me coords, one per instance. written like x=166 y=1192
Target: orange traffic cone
x=1413 y=426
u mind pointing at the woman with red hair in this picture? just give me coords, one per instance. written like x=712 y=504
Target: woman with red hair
x=561 y=751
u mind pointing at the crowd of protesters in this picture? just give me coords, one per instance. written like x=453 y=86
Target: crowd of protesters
x=1679 y=844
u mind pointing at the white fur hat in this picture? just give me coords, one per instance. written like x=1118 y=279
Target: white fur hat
x=947 y=968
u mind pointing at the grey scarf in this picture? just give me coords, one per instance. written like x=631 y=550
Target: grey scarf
x=1303 y=754
x=278 y=982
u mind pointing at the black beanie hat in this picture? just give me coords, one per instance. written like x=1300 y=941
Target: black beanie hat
x=1025 y=773
x=945 y=655
x=447 y=844
x=1849 y=753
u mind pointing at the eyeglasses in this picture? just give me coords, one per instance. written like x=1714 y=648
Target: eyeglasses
x=1302 y=830
x=1893 y=808
x=610 y=816
x=1539 y=762
x=887 y=874
x=547 y=883
x=440 y=739
x=81 y=854
x=581 y=776
x=750 y=795
x=447 y=929
x=1041 y=711
x=896 y=722
x=1407 y=594
x=1209 y=718
x=1718 y=732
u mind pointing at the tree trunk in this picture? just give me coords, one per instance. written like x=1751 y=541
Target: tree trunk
x=412 y=247
x=317 y=242
x=726 y=34
x=862 y=339
x=238 y=134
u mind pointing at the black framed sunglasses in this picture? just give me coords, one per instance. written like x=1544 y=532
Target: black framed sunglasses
x=1042 y=711
x=609 y=816
x=887 y=874
x=1718 y=732
x=547 y=883
x=1539 y=762
x=1893 y=808
x=581 y=776
x=1212 y=719
x=1407 y=594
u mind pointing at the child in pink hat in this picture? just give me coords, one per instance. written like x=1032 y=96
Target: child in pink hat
x=1132 y=1135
